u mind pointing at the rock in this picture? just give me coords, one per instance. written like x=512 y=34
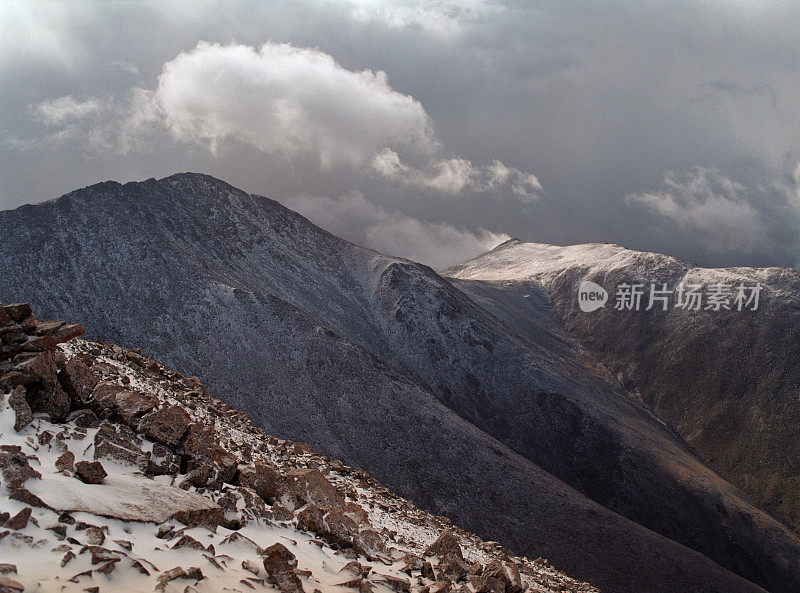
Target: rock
x=8 y=569
x=66 y=461
x=209 y=517
x=90 y=472
x=397 y=584
x=77 y=380
x=44 y=393
x=162 y=461
x=24 y=495
x=445 y=545
x=280 y=565
x=187 y=541
x=20 y=520
x=169 y=576
x=166 y=426
x=95 y=536
x=120 y=443
x=440 y=587
x=5 y=318
x=40 y=328
x=250 y=566
x=130 y=405
x=83 y=418
x=311 y=485
x=265 y=481
x=17 y=311
x=18 y=402
x=50 y=341
x=16 y=469
x=8 y=585
x=194 y=573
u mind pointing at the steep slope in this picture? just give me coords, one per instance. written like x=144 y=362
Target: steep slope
x=386 y=365
x=113 y=496
x=726 y=380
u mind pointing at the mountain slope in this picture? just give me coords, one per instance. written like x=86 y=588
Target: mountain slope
x=215 y=503
x=725 y=380
x=388 y=366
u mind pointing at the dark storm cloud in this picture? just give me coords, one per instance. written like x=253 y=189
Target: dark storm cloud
x=664 y=126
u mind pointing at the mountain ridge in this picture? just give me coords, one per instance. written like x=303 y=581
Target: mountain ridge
x=256 y=300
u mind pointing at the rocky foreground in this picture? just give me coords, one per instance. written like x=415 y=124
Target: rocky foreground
x=121 y=475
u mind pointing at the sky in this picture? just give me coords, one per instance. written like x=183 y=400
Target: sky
x=428 y=130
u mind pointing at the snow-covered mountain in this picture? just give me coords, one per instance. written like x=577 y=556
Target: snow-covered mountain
x=119 y=474
x=726 y=380
x=519 y=436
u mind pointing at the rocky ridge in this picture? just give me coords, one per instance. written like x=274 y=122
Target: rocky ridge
x=119 y=474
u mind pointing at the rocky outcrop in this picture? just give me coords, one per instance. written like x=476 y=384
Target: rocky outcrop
x=141 y=444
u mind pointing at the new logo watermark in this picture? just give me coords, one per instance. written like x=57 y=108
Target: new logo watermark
x=591 y=296
x=638 y=296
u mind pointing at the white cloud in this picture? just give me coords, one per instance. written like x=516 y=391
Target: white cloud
x=392 y=233
x=707 y=202
x=445 y=18
x=289 y=101
x=68 y=109
x=456 y=175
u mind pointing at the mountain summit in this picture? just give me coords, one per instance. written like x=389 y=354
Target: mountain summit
x=433 y=387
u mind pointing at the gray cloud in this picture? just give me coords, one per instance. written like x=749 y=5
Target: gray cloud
x=600 y=101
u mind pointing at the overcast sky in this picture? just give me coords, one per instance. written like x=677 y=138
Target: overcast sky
x=430 y=130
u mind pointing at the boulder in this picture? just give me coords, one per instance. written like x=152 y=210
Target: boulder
x=311 y=486
x=85 y=418
x=90 y=472
x=20 y=520
x=163 y=461
x=16 y=469
x=166 y=426
x=8 y=585
x=51 y=340
x=280 y=565
x=445 y=545
x=19 y=403
x=66 y=461
x=17 y=311
x=264 y=480
x=130 y=405
x=77 y=380
x=44 y=392
x=120 y=443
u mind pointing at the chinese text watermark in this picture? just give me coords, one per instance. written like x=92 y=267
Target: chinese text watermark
x=639 y=296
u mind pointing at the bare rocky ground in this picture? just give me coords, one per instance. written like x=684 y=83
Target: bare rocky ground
x=119 y=474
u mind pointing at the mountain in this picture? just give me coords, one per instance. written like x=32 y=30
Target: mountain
x=517 y=436
x=726 y=380
x=118 y=474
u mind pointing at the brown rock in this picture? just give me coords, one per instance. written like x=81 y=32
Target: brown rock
x=8 y=569
x=24 y=495
x=16 y=469
x=210 y=517
x=162 y=461
x=311 y=485
x=90 y=472
x=85 y=418
x=20 y=520
x=445 y=545
x=280 y=565
x=14 y=335
x=130 y=405
x=8 y=585
x=77 y=380
x=50 y=341
x=166 y=426
x=17 y=311
x=120 y=443
x=66 y=461
x=265 y=481
x=187 y=541
x=4 y=316
x=18 y=402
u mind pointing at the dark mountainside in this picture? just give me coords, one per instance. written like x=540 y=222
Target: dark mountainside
x=386 y=365
x=727 y=381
